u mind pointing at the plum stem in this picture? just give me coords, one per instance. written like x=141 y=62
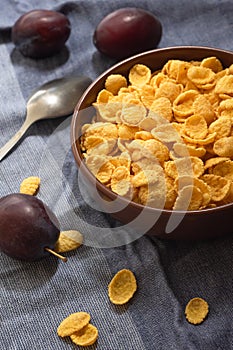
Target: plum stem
x=63 y=258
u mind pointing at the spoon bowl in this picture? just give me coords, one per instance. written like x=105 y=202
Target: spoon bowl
x=53 y=99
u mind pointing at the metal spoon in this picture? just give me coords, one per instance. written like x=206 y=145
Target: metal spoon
x=54 y=99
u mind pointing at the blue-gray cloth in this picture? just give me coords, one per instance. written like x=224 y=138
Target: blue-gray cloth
x=36 y=297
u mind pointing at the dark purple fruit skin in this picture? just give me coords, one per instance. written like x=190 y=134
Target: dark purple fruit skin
x=27 y=227
x=40 y=33
x=126 y=32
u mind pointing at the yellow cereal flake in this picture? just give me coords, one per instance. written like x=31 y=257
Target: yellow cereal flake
x=86 y=336
x=224 y=147
x=196 y=310
x=212 y=63
x=115 y=82
x=122 y=287
x=30 y=185
x=169 y=90
x=189 y=198
x=104 y=173
x=225 y=85
x=207 y=140
x=196 y=127
x=219 y=186
x=221 y=126
x=120 y=180
x=171 y=193
x=225 y=108
x=200 y=75
x=183 y=104
x=211 y=162
x=187 y=180
x=162 y=107
x=147 y=95
x=133 y=112
x=139 y=75
x=166 y=133
x=104 y=96
x=73 y=323
x=223 y=169
x=68 y=240
x=203 y=108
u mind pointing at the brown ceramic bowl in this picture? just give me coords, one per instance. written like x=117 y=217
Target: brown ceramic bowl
x=167 y=224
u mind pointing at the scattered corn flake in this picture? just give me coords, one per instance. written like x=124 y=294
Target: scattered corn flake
x=86 y=336
x=122 y=287
x=73 y=323
x=30 y=185
x=139 y=75
x=219 y=186
x=115 y=82
x=196 y=310
x=68 y=240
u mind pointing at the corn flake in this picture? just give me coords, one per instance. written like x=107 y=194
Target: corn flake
x=30 y=185
x=200 y=75
x=189 y=198
x=212 y=63
x=224 y=147
x=86 y=336
x=219 y=186
x=122 y=287
x=73 y=323
x=196 y=310
x=196 y=127
x=68 y=240
x=139 y=75
x=115 y=82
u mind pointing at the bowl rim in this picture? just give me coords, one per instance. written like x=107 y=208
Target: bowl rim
x=77 y=152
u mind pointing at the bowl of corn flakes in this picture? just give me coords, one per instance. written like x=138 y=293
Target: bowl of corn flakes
x=153 y=139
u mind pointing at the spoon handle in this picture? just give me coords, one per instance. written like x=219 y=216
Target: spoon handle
x=11 y=143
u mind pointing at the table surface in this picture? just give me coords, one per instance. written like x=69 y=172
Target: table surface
x=35 y=297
